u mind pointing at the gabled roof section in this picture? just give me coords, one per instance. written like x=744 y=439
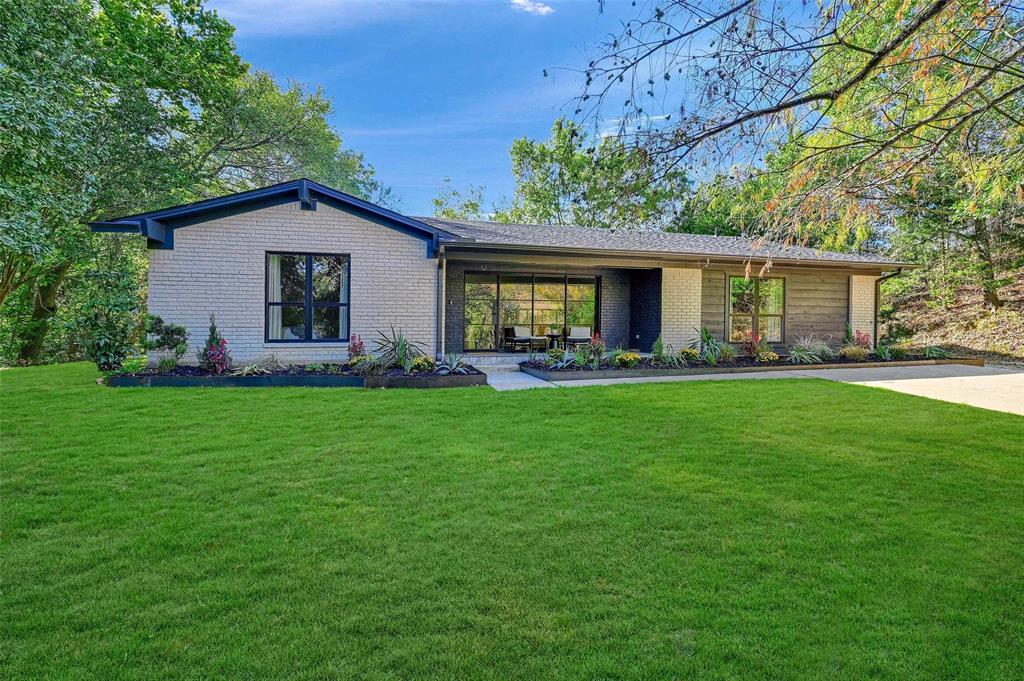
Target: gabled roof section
x=158 y=226
x=644 y=243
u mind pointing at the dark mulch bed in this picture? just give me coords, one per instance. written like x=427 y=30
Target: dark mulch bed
x=294 y=370
x=739 y=362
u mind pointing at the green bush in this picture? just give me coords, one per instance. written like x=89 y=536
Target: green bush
x=423 y=364
x=107 y=325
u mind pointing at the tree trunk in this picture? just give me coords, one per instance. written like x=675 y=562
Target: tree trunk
x=983 y=248
x=44 y=304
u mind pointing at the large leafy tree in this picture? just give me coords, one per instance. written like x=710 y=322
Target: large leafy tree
x=120 y=106
x=572 y=180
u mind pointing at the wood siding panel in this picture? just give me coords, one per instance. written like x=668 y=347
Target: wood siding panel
x=712 y=308
x=817 y=303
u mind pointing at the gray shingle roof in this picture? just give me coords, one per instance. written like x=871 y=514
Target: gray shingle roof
x=559 y=237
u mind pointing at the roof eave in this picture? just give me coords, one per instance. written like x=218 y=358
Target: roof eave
x=675 y=256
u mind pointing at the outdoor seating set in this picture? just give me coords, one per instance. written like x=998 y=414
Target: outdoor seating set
x=521 y=337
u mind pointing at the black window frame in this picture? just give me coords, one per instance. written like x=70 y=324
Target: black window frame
x=755 y=315
x=496 y=314
x=308 y=304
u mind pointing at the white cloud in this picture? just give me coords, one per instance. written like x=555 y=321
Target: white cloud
x=531 y=7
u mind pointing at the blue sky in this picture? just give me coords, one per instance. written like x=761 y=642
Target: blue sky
x=434 y=88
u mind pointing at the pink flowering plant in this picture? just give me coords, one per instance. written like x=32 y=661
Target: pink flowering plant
x=862 y=339
x=356 y=346
x=214 y=356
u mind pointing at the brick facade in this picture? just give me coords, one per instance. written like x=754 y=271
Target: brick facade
x=862 y=304
x=680 y=305
x=218 y=266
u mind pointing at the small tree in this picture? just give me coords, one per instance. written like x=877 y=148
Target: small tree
x=163 y=336
x=107 y=324
x=214 y=356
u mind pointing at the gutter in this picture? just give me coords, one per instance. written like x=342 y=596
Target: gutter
x=442 y=273
x=878 y=296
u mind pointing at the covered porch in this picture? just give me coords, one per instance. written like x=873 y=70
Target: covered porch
x=501 y=310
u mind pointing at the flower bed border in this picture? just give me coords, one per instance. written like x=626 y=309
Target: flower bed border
x=554 y=376
x=297 y=381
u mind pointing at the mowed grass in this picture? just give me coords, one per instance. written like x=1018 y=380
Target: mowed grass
x=738 y=529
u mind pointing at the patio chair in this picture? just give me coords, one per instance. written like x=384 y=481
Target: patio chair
x=578 y=335
x=521 y=337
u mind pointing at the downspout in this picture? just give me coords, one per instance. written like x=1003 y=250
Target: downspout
x=442 y=269
x=878 y=296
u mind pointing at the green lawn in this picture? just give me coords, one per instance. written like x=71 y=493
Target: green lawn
x=739 y=529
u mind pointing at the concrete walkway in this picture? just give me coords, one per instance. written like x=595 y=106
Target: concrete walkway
x=990 y=387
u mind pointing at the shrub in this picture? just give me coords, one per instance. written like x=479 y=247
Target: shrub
x=356 y=360
x=935 y=352
x=556 y=354
x=595 y=350
x=163 y=336
x=453 y=364
x=423 y=364
x=396 y=351
x=356 y=347
x=708 y=347
x=259 y=367
x=854 y=353
x=751 y=344
x=689 y=355
x=809 y=349
x=579 y=358
x=214 y=356
x=166 y=365
x=848 y=336
x=315 y=368
x=628 y=359
x=765 y=355
x=891 y=352
x=658 y=353
x=726 y=353
x=107 y=323
x=862 y=339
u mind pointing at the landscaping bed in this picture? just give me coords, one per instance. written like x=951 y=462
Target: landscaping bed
x=740 y=365
x=322 y=376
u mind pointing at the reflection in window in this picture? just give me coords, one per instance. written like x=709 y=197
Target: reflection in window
x=307 y=297
x=756 y=307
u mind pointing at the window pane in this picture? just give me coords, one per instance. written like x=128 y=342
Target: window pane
x=770 y=329
x=286 y=322
x=740 y=326
x=329 y=323
x=479 y=311
x=582 y=290
x=741 y=295
x=516 y=287
x=479 y=337
x=770 y=294
x=515 y=313
x=330 y=279
x=481 y=285
x=286 y=278
x=580 y=314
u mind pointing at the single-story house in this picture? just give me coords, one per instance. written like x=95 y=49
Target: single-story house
x=296 y=268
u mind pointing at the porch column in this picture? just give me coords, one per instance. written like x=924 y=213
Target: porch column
x=680 y=305
x=862 y=304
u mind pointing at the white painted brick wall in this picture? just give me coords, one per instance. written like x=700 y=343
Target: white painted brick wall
x=862 y=304
x=680 y=306
x=218 y=266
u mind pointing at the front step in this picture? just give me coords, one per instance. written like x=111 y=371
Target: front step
x=490 y=364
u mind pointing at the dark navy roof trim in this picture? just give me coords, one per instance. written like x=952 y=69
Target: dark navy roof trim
x=158 y=226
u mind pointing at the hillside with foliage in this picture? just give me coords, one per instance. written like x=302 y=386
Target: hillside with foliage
x=116 y=107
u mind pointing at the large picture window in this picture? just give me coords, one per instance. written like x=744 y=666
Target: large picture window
x=549 y=304
x=756 y=306
x=307 y=297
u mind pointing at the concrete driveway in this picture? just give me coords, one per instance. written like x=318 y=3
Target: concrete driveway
x=990 y=387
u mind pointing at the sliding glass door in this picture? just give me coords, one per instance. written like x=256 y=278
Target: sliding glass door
x=543 y=304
